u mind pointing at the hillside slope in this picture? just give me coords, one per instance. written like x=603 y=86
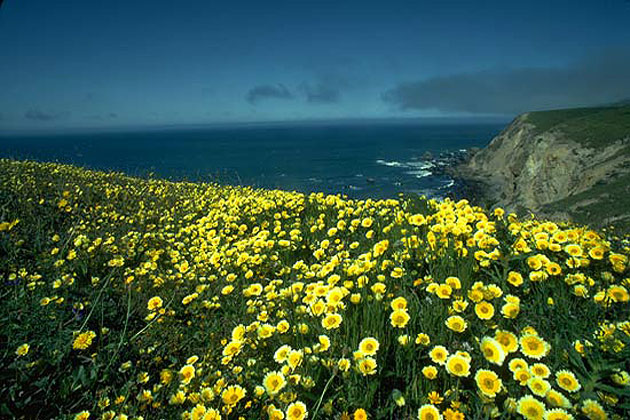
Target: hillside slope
x=568 y=163
x=129 y=298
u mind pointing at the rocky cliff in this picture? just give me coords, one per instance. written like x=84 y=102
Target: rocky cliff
x=566 y=163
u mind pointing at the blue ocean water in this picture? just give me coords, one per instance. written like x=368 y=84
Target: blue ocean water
x=359 y=160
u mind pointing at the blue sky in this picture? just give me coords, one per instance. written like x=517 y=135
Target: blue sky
x=90 y=63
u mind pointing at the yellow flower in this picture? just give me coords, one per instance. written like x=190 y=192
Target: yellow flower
x=187 y=299
x=518 y=364
x=534 y=346
x=398 y=398
x=573 y=250
x=459 y=305
x=198 y=412
x=456 y=323
x=324 y=343
x=423 y=339
x=534 y=262
x=429 y=372
x=429 y=412
x=360 y=414
x=538 y=386
x=369 y=346
x=484 y=310
x=186 y=373
x=274 y=413
x=380 y=247
x=458 y=366
x=233 y=348
x=398 y=303
x=212 y=414
x=281 y=355
x=515 y=279
x=597 y=253
x=399 y=318
x=83 y=415
x=488 y=382
x=274 y=382
x=593 y=410
x=522 y=376
x=530 y=408
x=417 y=220
x=283 y=326
x=508 y=341
x=154 y=303
x=83 y=340
x=444 y=291
x=510 y=310
x=331 y=321
x=557 y=414
x=567 y=381
x=618 y=294
x=556 y=399
x=541 y=370
x=233 y=394
x=492 y=350
x=297 y=411
x=367 y=366
x=22 y=350
x=295 y=358
x=178 y=398
x=621 y=378
x=454 y=282
x=439 y=354
x=343 y=364
x=435 y=398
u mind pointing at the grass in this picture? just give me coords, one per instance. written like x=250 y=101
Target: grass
x=591 y=127
x=124 y=298
x=606 y=204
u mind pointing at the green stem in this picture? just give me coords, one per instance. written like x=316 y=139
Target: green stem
x=321 y=397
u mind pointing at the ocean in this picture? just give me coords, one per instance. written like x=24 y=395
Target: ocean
x=377 y=160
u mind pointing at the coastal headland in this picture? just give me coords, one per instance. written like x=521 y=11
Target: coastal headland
x=571 y=164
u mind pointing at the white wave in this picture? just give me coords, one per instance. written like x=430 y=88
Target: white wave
x=421 y=164
x=420 y=173
x=392 y=163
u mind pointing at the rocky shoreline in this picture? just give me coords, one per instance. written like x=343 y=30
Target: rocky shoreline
x=449 y=163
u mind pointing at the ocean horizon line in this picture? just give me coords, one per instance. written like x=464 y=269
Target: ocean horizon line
x=411 y=121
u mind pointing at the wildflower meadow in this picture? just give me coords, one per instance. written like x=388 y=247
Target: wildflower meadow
x=131 y=298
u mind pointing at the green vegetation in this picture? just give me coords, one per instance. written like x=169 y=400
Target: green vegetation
x=592 y=127
x=606 y=204
x=123 y=298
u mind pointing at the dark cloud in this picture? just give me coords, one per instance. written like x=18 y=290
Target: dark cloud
x=110 y=115
x=39 y=115
x=320 y=93
x=327 y=89
x=598 y=79
x=260 y=92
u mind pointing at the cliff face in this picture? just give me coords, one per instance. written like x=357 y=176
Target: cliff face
x=537 y=162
